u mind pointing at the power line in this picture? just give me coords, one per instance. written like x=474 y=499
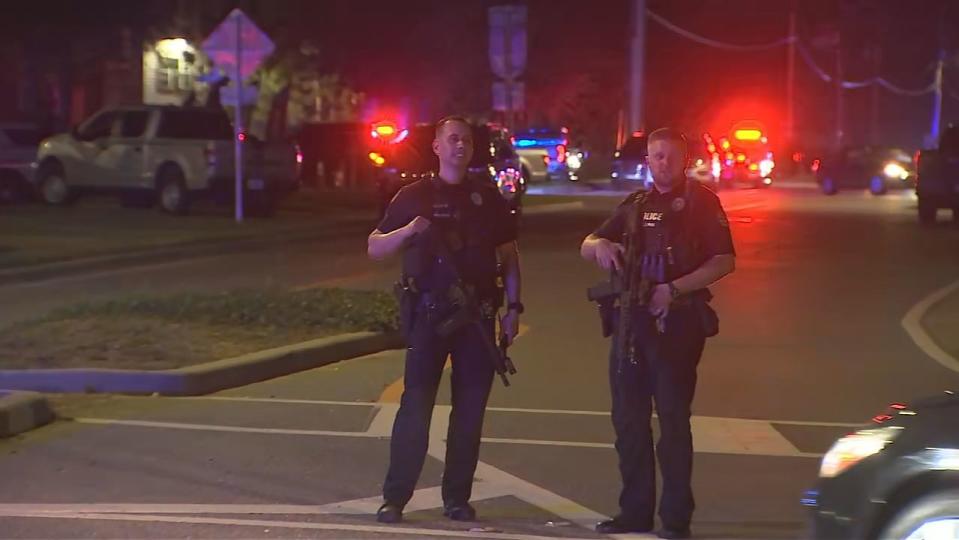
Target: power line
x=803 y=52
x=712 y=42
x=807 y=57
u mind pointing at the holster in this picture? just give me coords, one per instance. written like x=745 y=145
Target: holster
x=406 y=300
x=607 y=317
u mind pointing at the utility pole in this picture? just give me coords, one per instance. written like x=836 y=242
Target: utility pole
x=839 y=90
x=935 y=128
x=877 y=72
x=791 y=79
x=508 y=58
x=937 y=104
x=637 y=60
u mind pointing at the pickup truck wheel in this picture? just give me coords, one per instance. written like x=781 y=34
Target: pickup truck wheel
x=172 y=193
x=927 y=213
x=54 y=189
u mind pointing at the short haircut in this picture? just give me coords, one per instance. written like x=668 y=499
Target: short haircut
x=449 y=119
x=670 y=135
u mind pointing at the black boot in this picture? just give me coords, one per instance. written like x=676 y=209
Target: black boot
x=460 y=512
x=672 y=534
x=389 y=513
x=618 y=525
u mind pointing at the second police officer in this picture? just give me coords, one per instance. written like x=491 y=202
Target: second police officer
x=680 y=244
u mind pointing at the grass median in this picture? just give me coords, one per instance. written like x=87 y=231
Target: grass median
x=166 y=332
x=32 y=234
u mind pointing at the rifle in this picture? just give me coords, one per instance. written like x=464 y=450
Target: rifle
x=623 y=292
x=467 y=312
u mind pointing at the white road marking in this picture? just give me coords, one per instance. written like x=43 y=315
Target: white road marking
x=231 y=429
x=699 y=447
x=259 y=400
x=382 y=424
x=560 y=506
x=712 y=435
x=574 y=412
x=423 y=499
x=272 y=524
x=734 y=436
x=912 y=323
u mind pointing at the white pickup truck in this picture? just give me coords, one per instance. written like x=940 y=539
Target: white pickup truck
x=161 y=155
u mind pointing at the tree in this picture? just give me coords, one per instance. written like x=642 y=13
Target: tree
x=292 y=81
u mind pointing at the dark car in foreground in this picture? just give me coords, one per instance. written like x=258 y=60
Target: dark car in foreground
x=896 y=479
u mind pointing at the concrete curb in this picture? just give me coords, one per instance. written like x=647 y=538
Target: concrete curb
x=204 y=378
x=50 y=270
x=22 y=411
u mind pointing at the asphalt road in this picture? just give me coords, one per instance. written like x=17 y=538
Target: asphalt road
x=811 y=345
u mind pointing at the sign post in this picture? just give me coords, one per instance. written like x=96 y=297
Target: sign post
x=237 y=46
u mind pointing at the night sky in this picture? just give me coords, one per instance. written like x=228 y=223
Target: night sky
x=429 y=57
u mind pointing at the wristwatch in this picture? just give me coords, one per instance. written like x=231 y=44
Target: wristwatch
x=673 y=291
x=517 y=307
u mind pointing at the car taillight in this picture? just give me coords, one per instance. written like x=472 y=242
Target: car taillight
x=546 y=160
x=561 y=153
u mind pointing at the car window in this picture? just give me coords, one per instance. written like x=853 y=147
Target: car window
x=97 y=127
x=195 y=124
x=134 y=123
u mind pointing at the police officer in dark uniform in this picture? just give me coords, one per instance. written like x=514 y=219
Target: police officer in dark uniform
x=681 y=244
x=450 y=228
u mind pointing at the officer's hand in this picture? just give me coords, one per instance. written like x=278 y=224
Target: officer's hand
x=509 y=326
x=660 y=300
x=609 y=255
x=418 y=225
